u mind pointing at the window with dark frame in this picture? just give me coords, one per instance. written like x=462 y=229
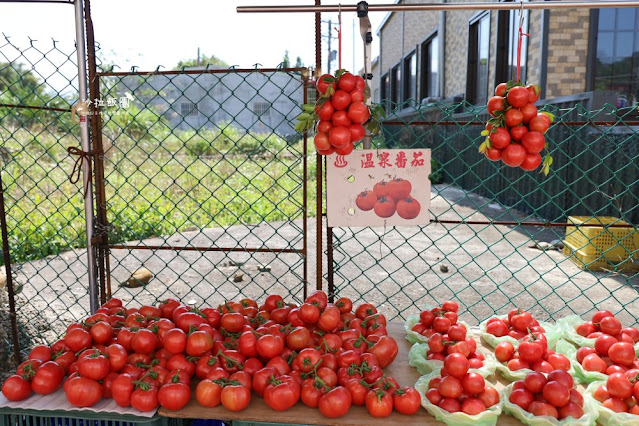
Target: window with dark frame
x=410 y=77
x=429 y=84
x=188 y=109
x=385 y=87
x=616 y=62
x=395 y=86
x=478 y=60
x=262 y=109
x=507 y=39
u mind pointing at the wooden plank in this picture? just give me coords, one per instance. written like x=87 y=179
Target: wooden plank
x=258 y=411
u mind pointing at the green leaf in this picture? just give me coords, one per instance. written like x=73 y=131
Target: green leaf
x=485 y=132
x=483 y=147
x=546 y=165
x=550 y=115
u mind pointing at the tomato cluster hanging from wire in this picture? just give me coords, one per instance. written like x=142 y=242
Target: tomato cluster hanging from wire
x=340 y=116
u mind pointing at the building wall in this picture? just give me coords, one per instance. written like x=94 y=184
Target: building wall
x=567 y=47
x=567 y=52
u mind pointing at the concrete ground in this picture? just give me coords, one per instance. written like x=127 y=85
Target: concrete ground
x=488 y=269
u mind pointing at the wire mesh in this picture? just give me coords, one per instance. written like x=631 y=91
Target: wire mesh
x=205 y=181
x=488 y=267
x=44 y=211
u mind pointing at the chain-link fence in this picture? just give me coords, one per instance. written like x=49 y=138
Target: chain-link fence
x=497 y=236
x=205 y=184
x=44 y=211
x=207 y=190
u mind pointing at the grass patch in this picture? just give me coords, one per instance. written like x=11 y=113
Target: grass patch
x=158 y=183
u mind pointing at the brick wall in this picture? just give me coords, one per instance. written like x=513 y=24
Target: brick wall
x=567 y=47
x=567 y=52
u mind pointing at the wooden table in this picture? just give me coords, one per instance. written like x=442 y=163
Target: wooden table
x=258 y=411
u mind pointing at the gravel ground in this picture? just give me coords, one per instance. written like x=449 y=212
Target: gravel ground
x=487 y=268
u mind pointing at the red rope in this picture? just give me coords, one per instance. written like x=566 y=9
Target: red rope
x=521 y=36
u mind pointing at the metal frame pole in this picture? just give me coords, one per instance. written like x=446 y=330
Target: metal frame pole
x=366 y=32
x=86 y=147
x=398 y=7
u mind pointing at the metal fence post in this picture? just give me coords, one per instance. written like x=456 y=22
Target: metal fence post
x=86 y=147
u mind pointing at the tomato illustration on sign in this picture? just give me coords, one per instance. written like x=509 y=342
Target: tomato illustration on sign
x=388 y=198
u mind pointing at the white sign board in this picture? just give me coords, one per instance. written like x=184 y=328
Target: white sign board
x=378 y=187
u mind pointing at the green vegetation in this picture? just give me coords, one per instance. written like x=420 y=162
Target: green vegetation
x=158 y=183
x=202 y=62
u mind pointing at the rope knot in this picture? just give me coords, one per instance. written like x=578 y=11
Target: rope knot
x=77 y=166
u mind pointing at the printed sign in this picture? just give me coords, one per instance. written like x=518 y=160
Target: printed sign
x=378 y=187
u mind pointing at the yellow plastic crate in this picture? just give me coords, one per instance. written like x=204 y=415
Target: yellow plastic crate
x=600 y=247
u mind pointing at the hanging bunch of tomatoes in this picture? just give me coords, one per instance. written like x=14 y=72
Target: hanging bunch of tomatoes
x=340 y=115
x=515 y=134
x=326 y=355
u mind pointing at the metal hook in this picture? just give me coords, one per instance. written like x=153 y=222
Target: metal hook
x=157 y=70
x=256 y=65
x=521 y=14
x=133 y=68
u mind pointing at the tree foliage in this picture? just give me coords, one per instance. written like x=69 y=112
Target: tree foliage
x=204 y=61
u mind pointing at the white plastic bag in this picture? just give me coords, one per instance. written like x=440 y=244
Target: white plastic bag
x=487 y=418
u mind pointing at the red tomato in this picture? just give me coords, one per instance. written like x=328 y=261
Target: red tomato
x=121 y=390
x=556 y=394
x=16 y=388
x=341 y=99
x=357 y=133
x=358 y=113
x=199 y=343
x=324 y=82
x=456 y=365
x=622 y=353
x=145 y=398
x=497 y=328
x=309 y=313
x=496 y=103
x=518 y=133
x=94 y=367
x=533 y=92
x=40 y=352
x=521 y=397
x=533 y=141
x=83 y=392
x=365 y=201
x=517 y=96
x=329 y=319
x=489 y=396
x=513 y=117
x=321 y=141
x=593 y=362
x=472 y=406
x=499 y=138
x=357 y=95
x=381 y=189
x=282 y=393
x=339 y=136
x=539 y=408
x=340 y=118
x=504 y=351
x=48 y=378
x=379 y=403
x=513 y=155
x=335 y=403
x=78 y=339
x=529 y=111
x=408 y=208
x=269 y=346
x=500 y=89
x=619 y=386
x=325 y=111
x=610 y=325
x=384 y=207
x=604 y=343
x=450 y=404
x=615 y=404
x=493 y=154
x=347 y=82
x=174 y=396
x=324 y=126
x=531 y=162
x=144 y=341
x=450 y=387
x=385 y=350
x=208 y=393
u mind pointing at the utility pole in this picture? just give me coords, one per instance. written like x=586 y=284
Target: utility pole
x=330 y=53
